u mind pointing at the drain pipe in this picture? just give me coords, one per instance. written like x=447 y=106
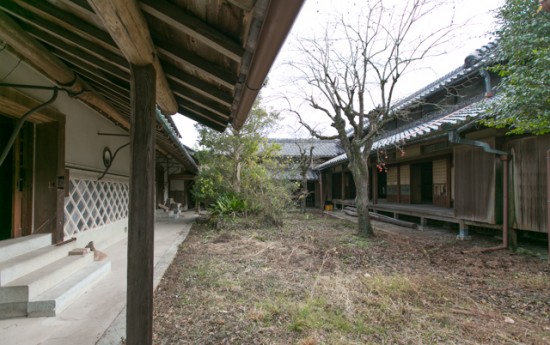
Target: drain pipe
x=487 y=78
x=20 y=124
x=455 y=138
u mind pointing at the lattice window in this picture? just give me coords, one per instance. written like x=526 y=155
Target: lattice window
x=93 y=203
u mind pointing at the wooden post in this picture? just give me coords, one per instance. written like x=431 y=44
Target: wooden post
x=321 y=198
x=374 y=186
x=139 y=311
x=399 y=184
x=343 y=187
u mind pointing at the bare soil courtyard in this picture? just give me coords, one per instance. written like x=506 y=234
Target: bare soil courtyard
x=313 y=281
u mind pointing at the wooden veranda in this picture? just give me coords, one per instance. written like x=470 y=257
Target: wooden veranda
x=420 y=213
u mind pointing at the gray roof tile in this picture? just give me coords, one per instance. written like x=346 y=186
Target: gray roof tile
x=321 y=148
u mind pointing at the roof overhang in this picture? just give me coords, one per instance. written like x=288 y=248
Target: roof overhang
x=211 y=57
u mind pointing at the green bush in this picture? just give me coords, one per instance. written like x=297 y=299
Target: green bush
x=228 y=204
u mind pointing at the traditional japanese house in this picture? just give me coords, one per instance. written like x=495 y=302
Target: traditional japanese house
x=298 y=149
x=442 y=164
x=87 y=90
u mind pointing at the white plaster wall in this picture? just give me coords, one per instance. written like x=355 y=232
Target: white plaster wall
x=83 y=145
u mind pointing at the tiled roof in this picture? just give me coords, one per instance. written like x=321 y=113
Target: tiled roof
x=321 y=148
x=473 y=63
x=294 y=175
x=332 y=162
x=434 y=123
x=425 y=126
x=422 y=128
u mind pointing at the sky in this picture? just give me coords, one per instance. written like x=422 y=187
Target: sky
x=476 y=19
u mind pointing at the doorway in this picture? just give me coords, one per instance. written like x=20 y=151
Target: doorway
x=16 y=180
x=6 y=178
x=422 y=183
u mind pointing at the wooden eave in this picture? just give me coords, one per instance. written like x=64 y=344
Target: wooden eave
x=211 y=56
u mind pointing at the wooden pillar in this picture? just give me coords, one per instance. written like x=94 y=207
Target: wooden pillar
x=449 y=182
x=343 y=186
x=399 y=184
x=139 y=311
x=374 y=185
x=62 y=182
x=321 y=198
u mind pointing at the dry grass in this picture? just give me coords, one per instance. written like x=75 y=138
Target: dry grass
x=314 y=282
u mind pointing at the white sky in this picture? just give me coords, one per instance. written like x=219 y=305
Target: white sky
x=477 y=14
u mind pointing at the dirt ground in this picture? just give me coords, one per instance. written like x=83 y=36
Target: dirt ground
x=313 y=281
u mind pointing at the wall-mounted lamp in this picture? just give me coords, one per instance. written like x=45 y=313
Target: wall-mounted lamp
x=107 y=157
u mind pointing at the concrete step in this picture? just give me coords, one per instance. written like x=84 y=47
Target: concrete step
x=21 y=245
x=21 y=265
x=43 y=279
x=13 y=310
x=54 y=300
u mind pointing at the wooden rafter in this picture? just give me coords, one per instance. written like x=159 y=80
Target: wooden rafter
x=46 y=10
x=127 y=26
x=192 y=61
x=189 y=95
x=202 y=87
x=54 y=68
x=190 y=25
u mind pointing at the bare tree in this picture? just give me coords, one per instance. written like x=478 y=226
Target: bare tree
x=305 y=162
x=351 y=74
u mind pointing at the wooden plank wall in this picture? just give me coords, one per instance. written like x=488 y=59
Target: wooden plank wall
x=475 y=183
x=405 y=184
x=392 y=184
x=529 y=182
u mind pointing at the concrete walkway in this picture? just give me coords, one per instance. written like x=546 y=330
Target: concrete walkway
x=99 y=315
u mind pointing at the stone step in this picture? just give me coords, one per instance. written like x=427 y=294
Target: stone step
x=53 y=301
x=43 y=279
x=21 y=265
x=21 y=245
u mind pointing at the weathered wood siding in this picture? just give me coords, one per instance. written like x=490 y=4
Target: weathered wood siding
x=475 y=184
x=392 y=184
x=405 y=184
x=440 y=185
x=529 y=182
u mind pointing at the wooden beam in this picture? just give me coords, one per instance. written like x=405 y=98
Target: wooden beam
x=120 y=72
x=66 y=35
x=188 y=95
x=192 y=26
x=127 y=26
x=204 y=112
x=199 y=85
x=246 y=5
x=218 y=126
x=139 y=310
x=67 y=20
x=265 y=46
x=203 y=67
x=28 y=47
x=33 y=52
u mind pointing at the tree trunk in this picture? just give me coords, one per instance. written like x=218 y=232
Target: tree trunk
x=304 y=194
x=360 y=171
x=236 y=178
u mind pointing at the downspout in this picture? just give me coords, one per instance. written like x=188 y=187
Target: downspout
x=21 y=121
x=455 y=138
x=487 y=78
